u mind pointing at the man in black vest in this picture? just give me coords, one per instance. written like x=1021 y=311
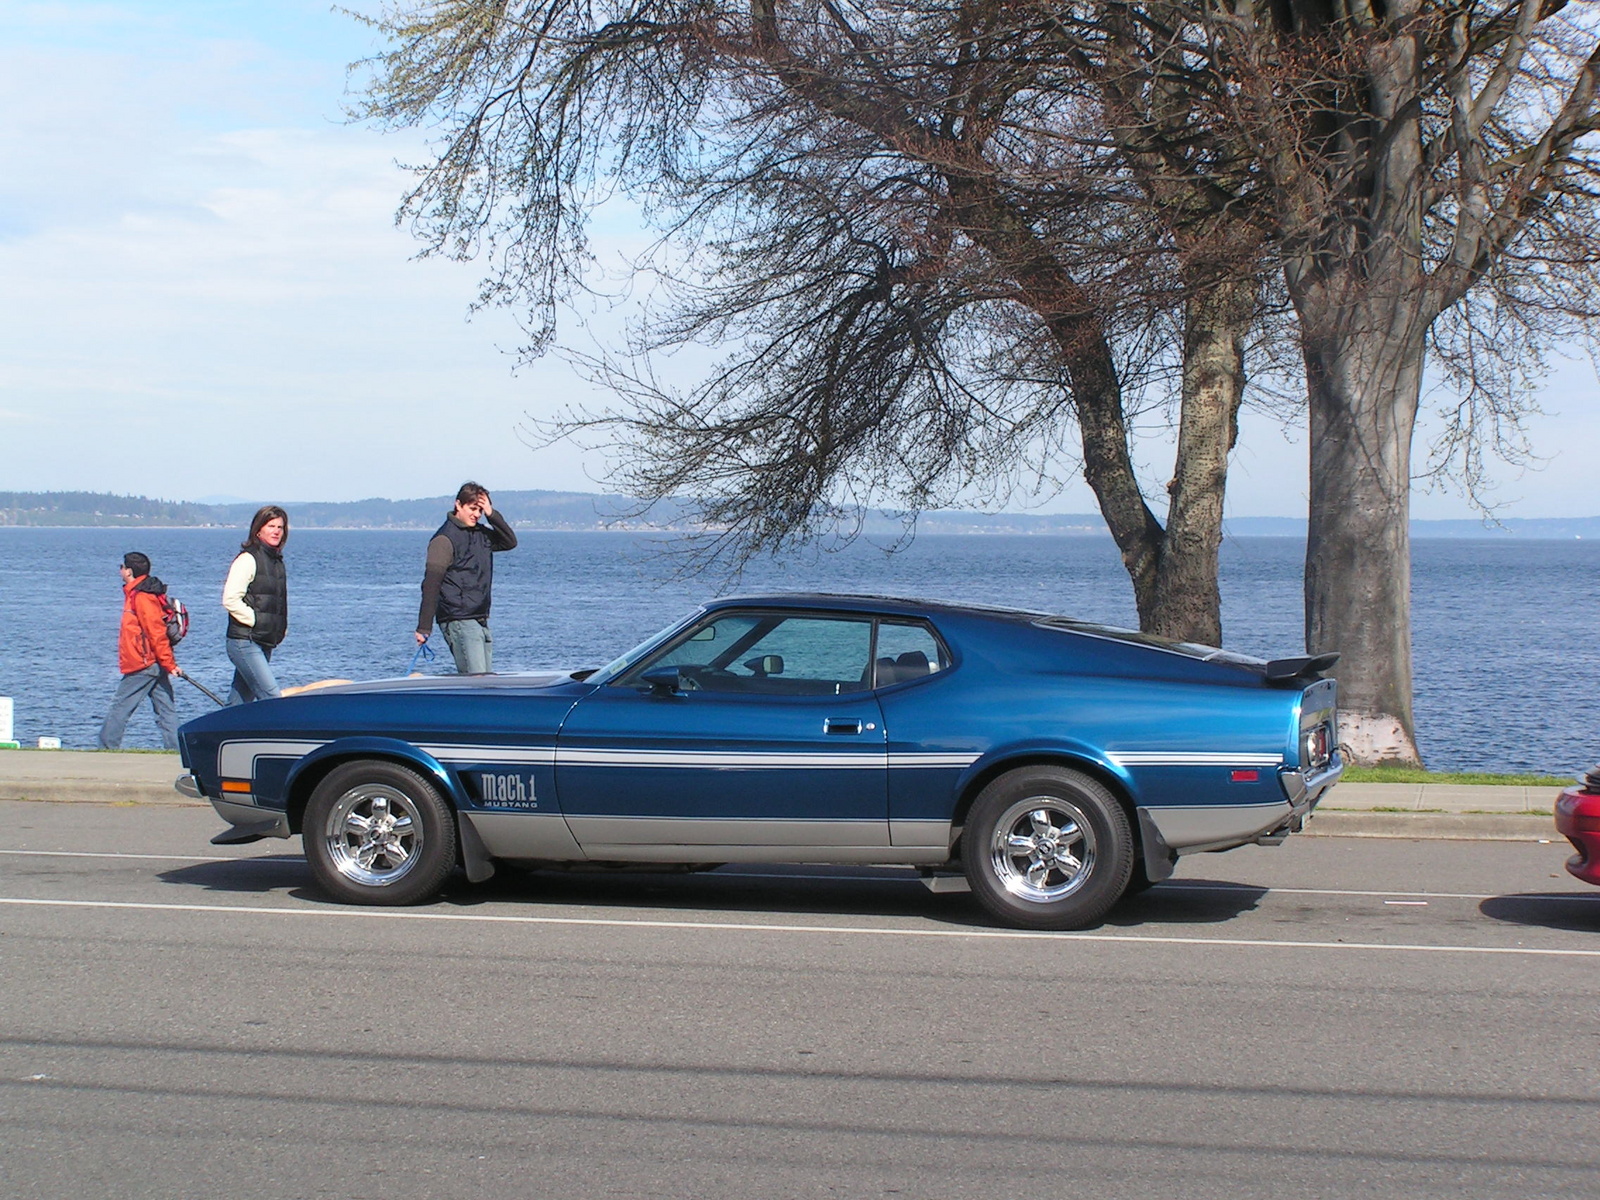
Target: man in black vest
x=459 y=576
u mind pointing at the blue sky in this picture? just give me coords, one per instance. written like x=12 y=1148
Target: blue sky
x=204 y=292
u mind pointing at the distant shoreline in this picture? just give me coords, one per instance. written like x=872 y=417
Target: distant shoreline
x=1419 y=531
x=590 y=512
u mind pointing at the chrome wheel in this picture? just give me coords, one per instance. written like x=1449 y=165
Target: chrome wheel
x=1042 y=849
x=1047 y=847
x=373 y=835
x=378 y=832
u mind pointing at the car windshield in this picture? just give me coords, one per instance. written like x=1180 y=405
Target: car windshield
x=769 y=653
x=644 y=647
x=1111 y=632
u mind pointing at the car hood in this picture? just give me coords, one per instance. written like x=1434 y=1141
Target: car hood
x=436 y=683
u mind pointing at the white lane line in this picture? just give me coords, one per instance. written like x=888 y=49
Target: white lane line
x=106 y=854
x=390 y=914
x=1198 y=885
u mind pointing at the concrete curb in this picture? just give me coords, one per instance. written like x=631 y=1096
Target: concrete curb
x=97 y=791
x=1472 y=827
x=90 y=776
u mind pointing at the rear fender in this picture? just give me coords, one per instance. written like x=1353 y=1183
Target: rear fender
x=1157 y=857
x=1074 y=755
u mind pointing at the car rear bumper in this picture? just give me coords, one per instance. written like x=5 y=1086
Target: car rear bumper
x=1168 y=831
x=1305 y=788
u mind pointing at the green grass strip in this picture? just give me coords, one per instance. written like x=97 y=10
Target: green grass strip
x=1453 y=778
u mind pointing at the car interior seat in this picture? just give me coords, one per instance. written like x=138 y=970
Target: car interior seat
x=913 y=664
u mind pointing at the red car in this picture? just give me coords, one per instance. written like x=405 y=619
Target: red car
x=1578 y=820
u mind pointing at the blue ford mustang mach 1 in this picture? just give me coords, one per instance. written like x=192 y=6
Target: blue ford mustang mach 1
x=1053 y=763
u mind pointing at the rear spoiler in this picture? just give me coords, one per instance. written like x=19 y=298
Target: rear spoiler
x=1307 y=666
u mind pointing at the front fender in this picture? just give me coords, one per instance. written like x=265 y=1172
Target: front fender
x=310 y=769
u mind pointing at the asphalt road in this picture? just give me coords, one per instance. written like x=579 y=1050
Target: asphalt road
x=1333 y=1017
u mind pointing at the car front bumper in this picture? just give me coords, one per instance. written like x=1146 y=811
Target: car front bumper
x=246 y=822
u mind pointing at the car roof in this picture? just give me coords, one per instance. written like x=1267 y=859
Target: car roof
x=868 y=602
x=903 y=606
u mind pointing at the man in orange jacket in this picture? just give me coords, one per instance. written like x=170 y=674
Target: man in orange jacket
x=144 y=655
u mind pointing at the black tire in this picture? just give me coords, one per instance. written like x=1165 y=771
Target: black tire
x=1140 y=880
x=1047 y=848
x=379 y=833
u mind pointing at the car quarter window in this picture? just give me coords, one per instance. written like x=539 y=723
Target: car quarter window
x=775 y=654
x=907 y=650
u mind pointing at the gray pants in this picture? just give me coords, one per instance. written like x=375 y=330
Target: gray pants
x=135 y=686
x=470 y=645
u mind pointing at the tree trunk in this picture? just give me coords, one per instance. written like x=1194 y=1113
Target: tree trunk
x=1174 y=570
x=1364 y=384
x=1188 y=601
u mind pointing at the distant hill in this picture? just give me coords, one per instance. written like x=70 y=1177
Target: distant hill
x=590 y=511
x=531 y=510
x=97 y=508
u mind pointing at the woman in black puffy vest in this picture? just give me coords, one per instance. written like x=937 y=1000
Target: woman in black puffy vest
x=256 y=596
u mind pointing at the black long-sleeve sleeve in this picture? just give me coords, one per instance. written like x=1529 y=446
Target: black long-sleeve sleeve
x=501 y=535
x=440 y=555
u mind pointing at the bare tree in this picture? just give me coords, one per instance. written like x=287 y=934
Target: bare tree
x=938 y=270
x=1432 y=179
x=1424 y=173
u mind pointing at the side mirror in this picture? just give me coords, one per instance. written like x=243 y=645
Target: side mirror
x=765 y=664
x=663 y=681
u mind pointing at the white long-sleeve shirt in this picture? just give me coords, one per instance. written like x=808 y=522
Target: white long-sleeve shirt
x=240 y=576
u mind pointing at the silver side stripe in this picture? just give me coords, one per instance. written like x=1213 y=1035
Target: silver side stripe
x=592 y=756
x=932 y=760
x=1168 y=758
x=490 y=754
x=237 y=760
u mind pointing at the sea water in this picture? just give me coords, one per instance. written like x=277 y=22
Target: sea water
x=1503 y=630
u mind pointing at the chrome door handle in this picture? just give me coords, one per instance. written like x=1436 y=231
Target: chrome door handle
x=841 y=725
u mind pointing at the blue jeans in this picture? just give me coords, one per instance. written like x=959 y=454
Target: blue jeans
x=470 y=645
x=135 y=686
x=252 y=672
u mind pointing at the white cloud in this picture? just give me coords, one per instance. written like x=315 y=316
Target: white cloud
x=239 y=302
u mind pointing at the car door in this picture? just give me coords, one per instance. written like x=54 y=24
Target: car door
x=754 y=729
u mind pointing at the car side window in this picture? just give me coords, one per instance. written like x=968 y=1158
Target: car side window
x=772 y=654
x=906 y=650
x=703 y=645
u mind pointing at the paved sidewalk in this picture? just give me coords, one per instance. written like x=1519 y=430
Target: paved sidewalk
x=1351 y=809
x=95 y=776
x=1437 y=810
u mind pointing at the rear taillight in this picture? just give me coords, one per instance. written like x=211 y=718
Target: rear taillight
x=1316 y=745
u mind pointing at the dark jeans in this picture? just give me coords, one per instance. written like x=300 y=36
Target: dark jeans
x=252 y=672
x=135 y=686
